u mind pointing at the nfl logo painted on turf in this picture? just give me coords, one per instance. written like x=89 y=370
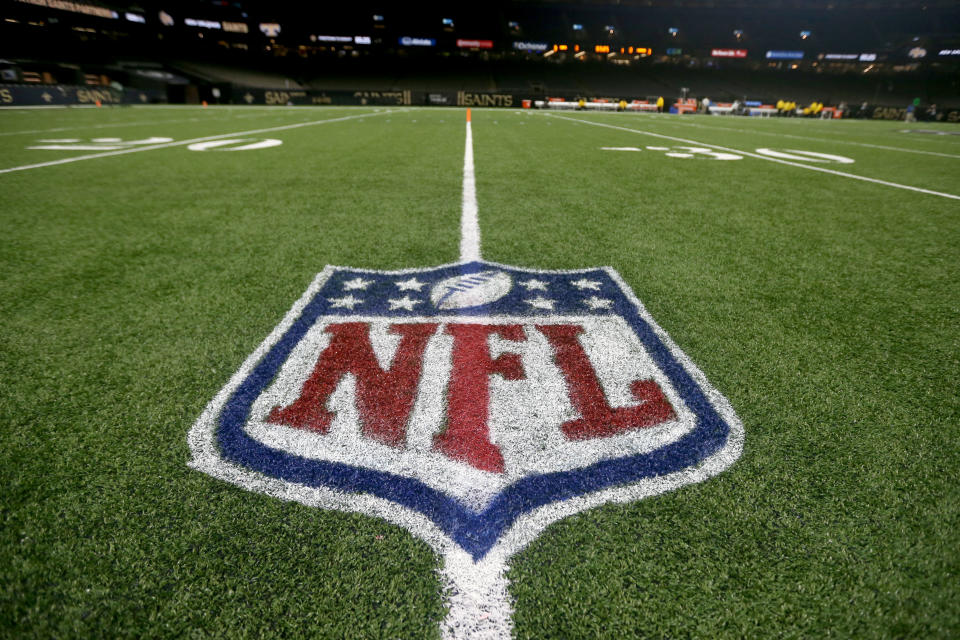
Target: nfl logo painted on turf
x=472 y=404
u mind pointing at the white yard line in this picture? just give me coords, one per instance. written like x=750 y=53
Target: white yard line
x=469 y=220
x=760 y=157
x=178 y=143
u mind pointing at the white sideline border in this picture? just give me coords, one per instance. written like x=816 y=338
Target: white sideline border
x=757 y=155
x=178 y=143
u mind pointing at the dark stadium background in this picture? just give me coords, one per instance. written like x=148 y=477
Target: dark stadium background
x=148 y=53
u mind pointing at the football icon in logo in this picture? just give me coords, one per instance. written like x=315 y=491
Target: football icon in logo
x=470 y=290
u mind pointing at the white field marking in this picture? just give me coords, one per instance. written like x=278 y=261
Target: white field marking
x=677 y=119
x=215 y=144
x=102 y=144
x=142 y=123
x=185 y=142
x=761 y=157
x=469 y=219
x=479 y=602
x=620 y=148
x=809 y=156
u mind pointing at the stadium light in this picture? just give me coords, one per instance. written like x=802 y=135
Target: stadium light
x=673 y=31
x=805 y=34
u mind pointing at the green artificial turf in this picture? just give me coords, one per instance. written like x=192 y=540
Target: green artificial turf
x=825 y=308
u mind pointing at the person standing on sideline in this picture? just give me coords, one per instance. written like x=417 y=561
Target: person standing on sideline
x=910 y=115
x=660 y=104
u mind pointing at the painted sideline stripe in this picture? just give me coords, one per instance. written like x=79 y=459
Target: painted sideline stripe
x=107 y=154
x=761 y=157
x=469 y=220
x=792 y=135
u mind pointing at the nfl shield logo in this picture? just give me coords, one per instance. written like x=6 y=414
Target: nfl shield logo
x=472 y=404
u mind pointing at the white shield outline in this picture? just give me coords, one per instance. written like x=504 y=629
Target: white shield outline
x=476 y=588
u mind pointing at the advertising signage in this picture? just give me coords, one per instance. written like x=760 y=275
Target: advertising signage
x=474 y=44
x=407 y=41
x=530 y=46
x=205 y=24
x=784 y=55
x=728 y=53
x=841 y=56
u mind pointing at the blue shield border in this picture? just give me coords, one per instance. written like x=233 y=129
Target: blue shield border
x=222 y=448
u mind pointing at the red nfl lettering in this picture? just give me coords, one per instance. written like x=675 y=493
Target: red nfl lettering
x=467 y=437
x=597 y=418
x=384 y=398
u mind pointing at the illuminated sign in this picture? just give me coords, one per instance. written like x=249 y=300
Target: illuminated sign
x=728 y=53
x=841 y=56
x=868 y=57
x=674 y=51
x=602 y=48
x=475 y=44
x=530 y=46
x=134 y=17
x=949 y=52
x=335 y=38
x=578 y=27
x=407 y=41
x=560 y=47
x=639 y=51
x=917 y=52
x=165 y=19
x=206 y=24
x=362 y=39
x=805 y=34
x=76 y=7
x=270 y=29
x=784 y=55
x=236 y=27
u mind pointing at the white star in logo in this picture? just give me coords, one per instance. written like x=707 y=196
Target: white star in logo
x=532 y=284
x=410 y=285
x=356 y=283
x=403 y=303
x=583 y=283
x=347 y=301
x=46 y=96
x=249 y=98
x=598 y=303
x=541 y=303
